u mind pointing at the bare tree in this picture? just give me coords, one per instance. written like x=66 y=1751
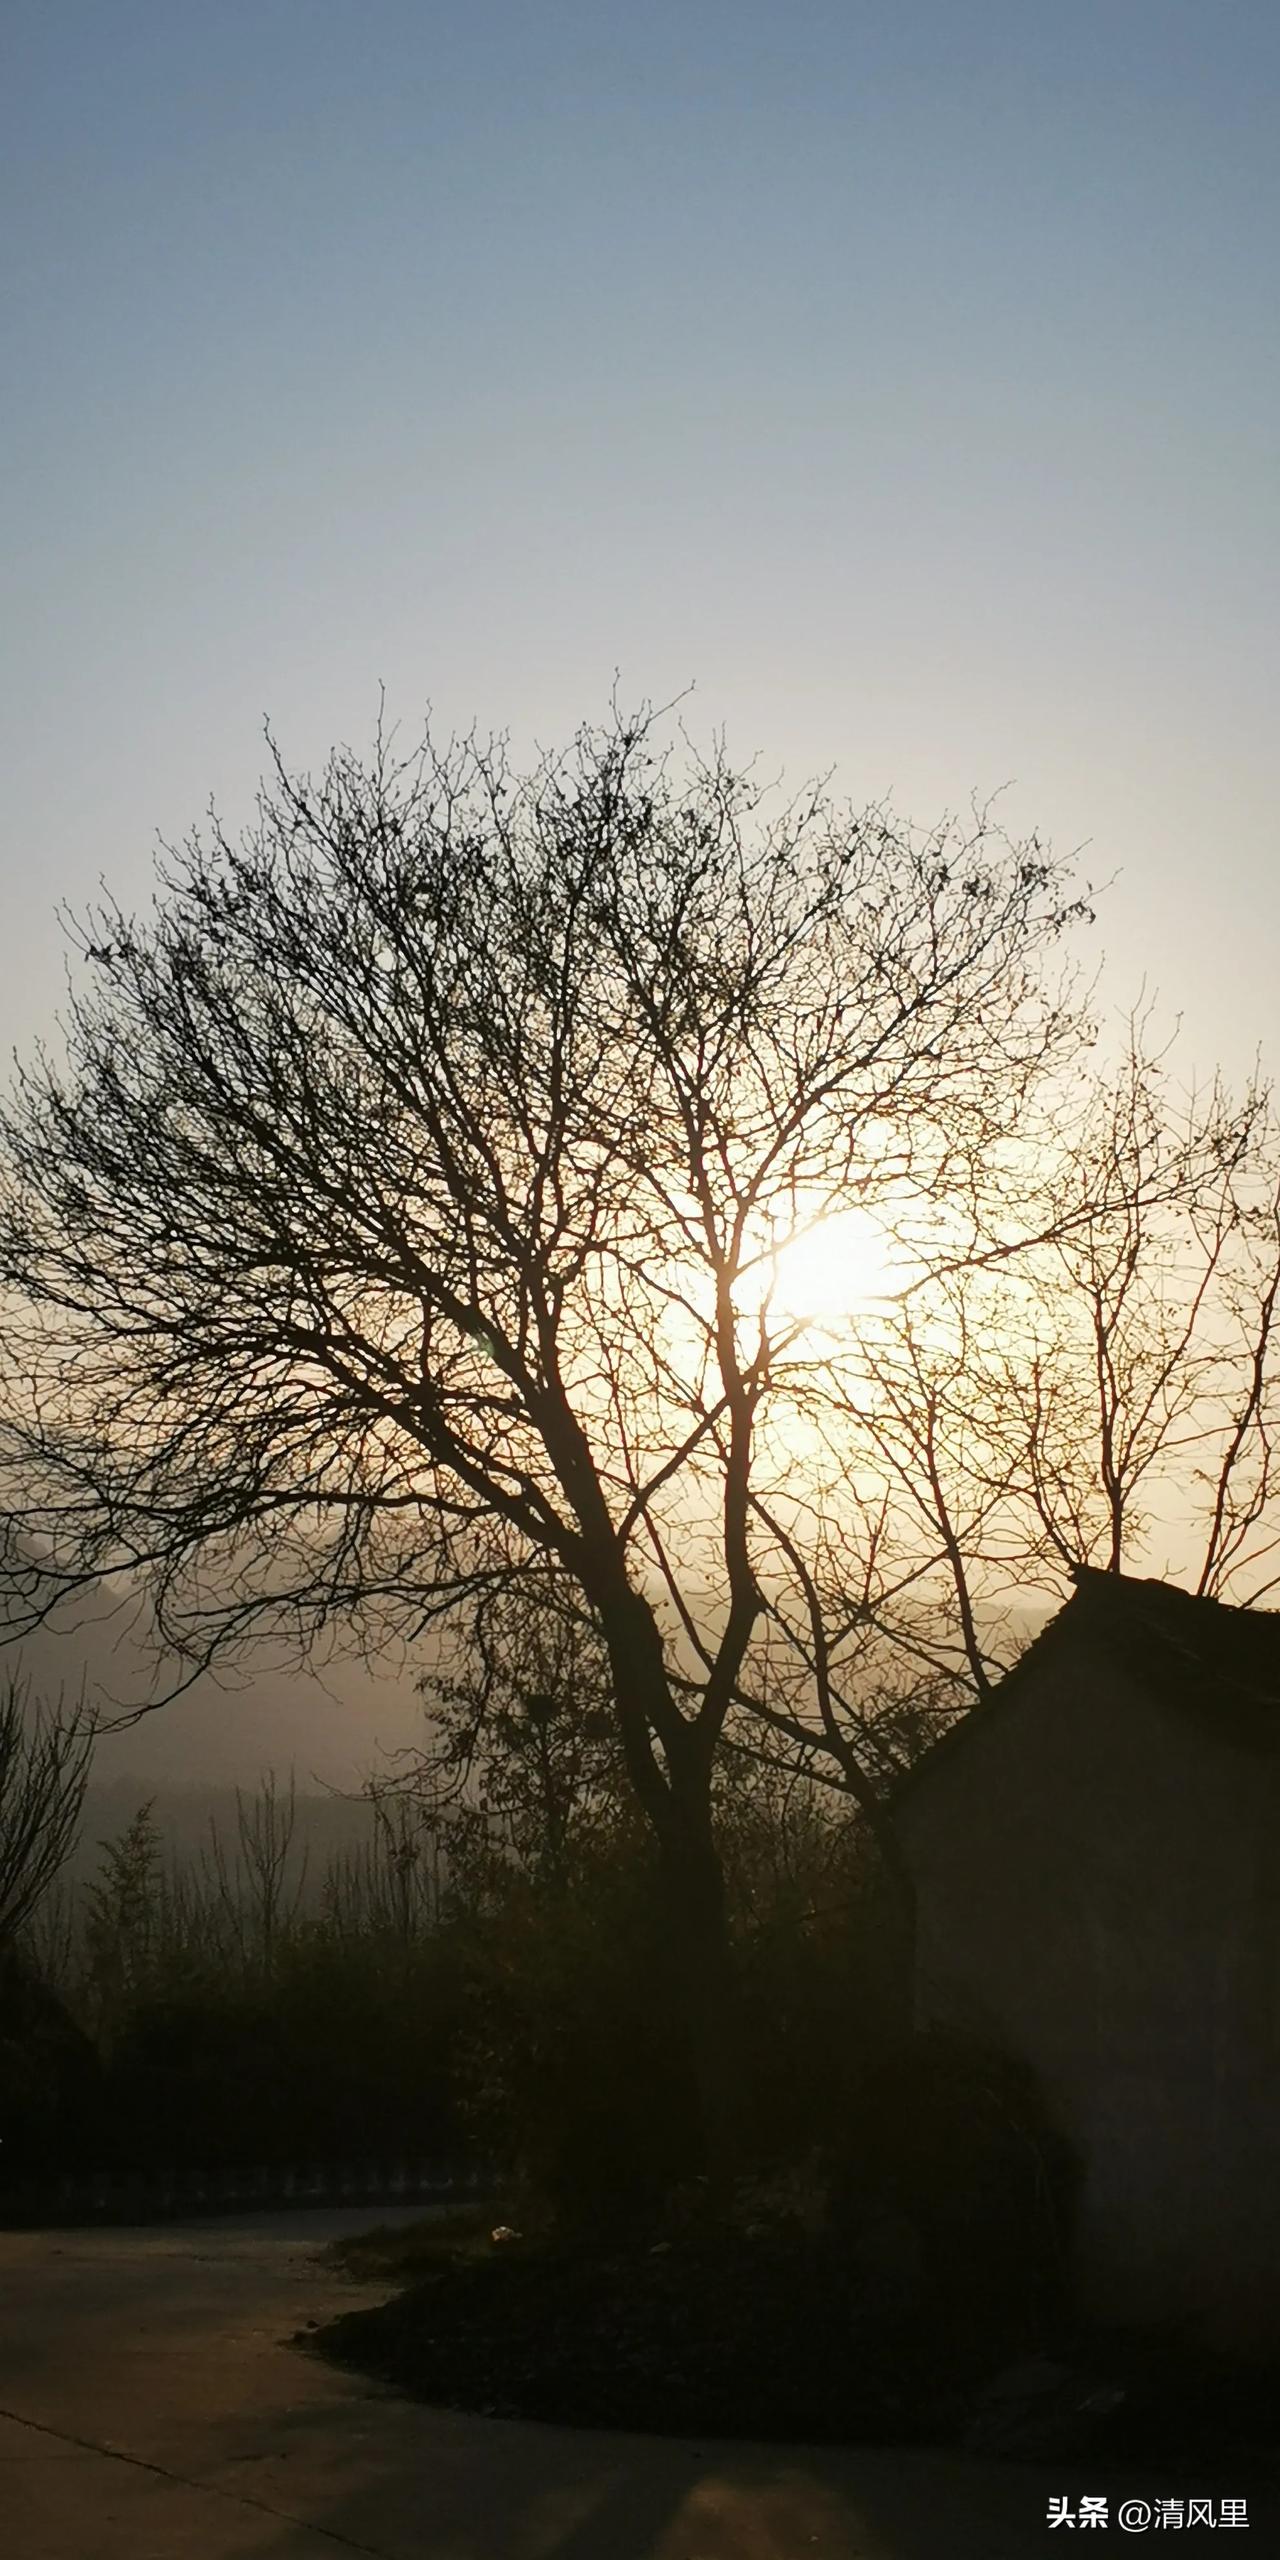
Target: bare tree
x=403 y=1215
x=260 y=1887
x=1129 y=1382
x=44 y=1765
x=1103 y=1393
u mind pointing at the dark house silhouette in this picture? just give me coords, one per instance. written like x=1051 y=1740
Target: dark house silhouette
x=1096 y=1852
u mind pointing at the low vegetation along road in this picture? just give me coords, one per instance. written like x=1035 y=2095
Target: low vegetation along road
x=152 y=2408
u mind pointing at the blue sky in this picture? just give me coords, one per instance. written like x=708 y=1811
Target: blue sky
x=905 y=376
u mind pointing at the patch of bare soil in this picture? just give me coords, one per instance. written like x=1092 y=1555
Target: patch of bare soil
x=713 y=2335
x=772 y=2336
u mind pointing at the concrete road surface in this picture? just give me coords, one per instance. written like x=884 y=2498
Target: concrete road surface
x=150 y=2410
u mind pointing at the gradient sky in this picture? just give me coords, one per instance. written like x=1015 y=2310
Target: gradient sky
x=906 y=376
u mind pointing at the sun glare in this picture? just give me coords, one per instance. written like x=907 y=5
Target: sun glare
x=832 y=1271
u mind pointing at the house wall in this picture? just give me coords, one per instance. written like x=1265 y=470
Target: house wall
x=1099 y=1890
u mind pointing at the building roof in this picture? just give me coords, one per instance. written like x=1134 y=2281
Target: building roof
x=1202 y=1656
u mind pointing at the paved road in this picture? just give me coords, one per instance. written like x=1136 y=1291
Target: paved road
x=150 y=2410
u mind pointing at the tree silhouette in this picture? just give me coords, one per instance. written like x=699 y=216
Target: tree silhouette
x=1102 y=1394
x=400 y=1221
x=44 y=1766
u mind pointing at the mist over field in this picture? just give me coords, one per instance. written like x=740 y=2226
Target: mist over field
x=334 y=1727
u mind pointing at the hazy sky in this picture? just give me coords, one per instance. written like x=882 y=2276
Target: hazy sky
x=906 y=375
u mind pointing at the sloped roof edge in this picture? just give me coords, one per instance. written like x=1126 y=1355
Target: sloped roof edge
x=1208 y=1656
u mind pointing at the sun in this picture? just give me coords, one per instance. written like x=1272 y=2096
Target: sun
x=836 y=1269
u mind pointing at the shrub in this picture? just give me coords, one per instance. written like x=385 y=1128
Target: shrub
x=50 y=2078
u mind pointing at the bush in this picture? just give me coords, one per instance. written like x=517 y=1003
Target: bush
x=235 y=2029
x=570 y=2061
x=51 y=2100
x=572 y=2053
x=948 y=2146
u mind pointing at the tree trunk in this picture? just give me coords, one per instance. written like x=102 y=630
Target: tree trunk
x=704 y=1987
x=675 y=1794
